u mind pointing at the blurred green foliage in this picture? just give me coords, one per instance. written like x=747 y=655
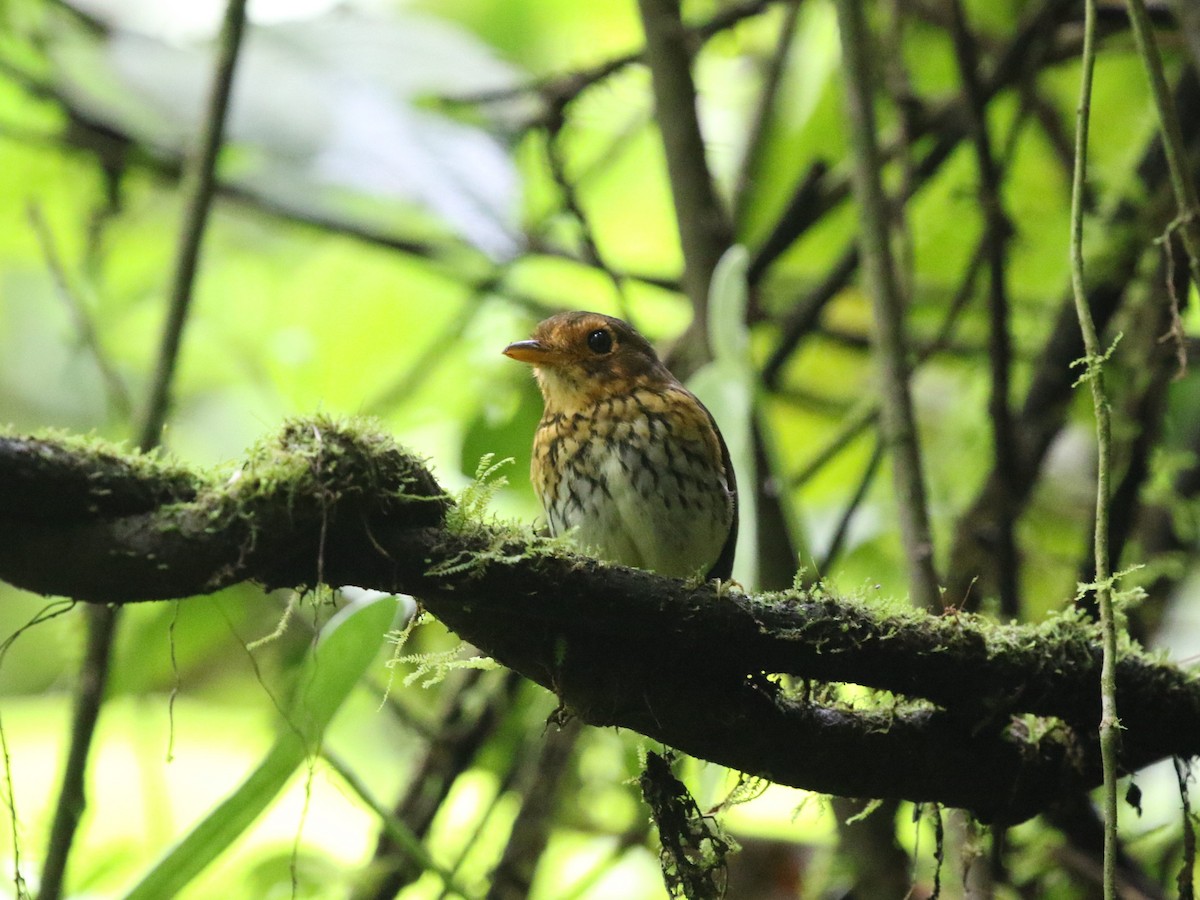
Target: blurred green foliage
x=301 y=305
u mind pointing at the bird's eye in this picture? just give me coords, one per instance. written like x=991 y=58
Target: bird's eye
x=599 y=341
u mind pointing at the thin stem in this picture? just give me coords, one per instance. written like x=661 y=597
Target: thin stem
x=996 y=230
x=1185 y=881
x=512 y=877
x=200 y=182
x=565 y=86
x=1094 y=360
x=899 y=88
x=397 y=829
x=760 y=123
x=899 y=425
x=1030 y=49
x=837 y=542
x=102 y=620
x=20 y=888
x=85 y=328
x=1172 y=138
x=72 y=797
x=556 y=163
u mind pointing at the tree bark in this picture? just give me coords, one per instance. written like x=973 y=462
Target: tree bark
x=688 y=664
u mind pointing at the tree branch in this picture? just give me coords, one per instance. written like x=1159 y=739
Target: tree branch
x=997 y=230
x=704 y=230
x=338 y=501
x=1127 y=229
x=820 y=189
x=102 y=621
x=887 y=304
x=200 y=175
x=1182 y=183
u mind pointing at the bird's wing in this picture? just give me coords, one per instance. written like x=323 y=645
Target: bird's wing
x=723 y=567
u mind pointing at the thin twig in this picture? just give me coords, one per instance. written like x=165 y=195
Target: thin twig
x=760 y=122
x=834 y=550
x=900 y=431
x=1094 y=375
x=863 y=415
x=1030 y=49
x=85 y=328
x=1128 y=226
x=939 y=849
x=559 y=88
x=996 y=231
x=72 y=798
x=557 y=165
x=904 y=99
x=102 y=620
x=20 y=888
x=1186 y=880
x=852 y=425
x=806 y=205
x=814 y=197
x=445 y=256
x=1172 y=137
x=704 y=231
x=1175 y=332
x=200 y=180
x=1143 y=372
x=396 y=828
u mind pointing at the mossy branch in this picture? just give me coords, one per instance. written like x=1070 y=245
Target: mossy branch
x=1000 y=720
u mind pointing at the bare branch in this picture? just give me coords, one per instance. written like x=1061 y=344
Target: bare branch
x=995 y=239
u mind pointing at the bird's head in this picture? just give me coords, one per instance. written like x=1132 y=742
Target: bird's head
x=581 y=357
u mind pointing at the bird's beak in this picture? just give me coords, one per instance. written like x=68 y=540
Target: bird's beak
x=533 y=352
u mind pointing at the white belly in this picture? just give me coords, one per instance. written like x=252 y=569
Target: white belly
x=674 y=524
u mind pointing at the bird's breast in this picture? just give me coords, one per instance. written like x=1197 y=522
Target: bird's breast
x=638 y=479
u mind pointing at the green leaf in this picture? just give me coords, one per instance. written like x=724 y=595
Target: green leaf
x=345 y=647
x=726 y=387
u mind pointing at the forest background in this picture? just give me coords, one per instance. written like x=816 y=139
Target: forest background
x=404 y=188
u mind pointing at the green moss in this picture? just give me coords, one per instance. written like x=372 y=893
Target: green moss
x=52 y=476
x=325 y=461
x=493 y=540
x=154 y=463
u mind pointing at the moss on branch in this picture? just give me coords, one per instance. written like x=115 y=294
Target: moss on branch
x=996 y=719
x=89 y=520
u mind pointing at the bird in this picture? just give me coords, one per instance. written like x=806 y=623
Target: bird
x=626 y=460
